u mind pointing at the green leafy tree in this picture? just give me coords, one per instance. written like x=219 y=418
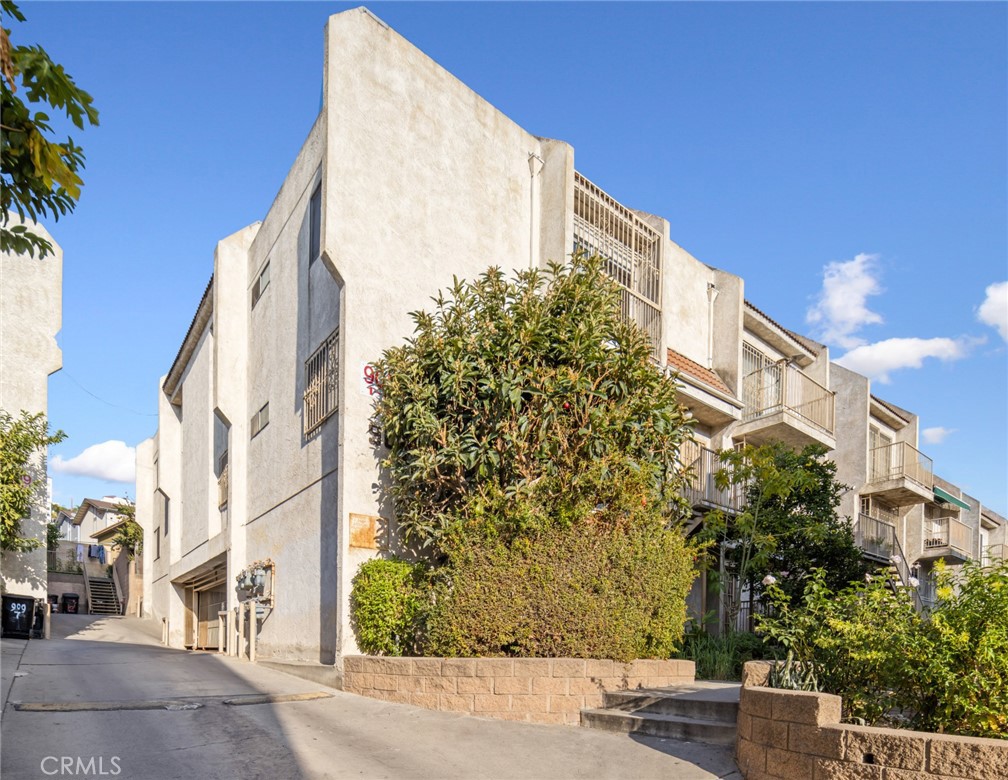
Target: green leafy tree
x=507 y=383
x=52 y=536
x=40 y=175
x=531 y=456
x=790 y=525
x=22 y=473
x=130 y=536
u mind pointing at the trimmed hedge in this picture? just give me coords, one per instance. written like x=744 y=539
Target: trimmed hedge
x=388 y=602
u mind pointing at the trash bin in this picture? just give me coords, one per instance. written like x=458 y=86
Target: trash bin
x=70 y=603
x=53 y=600
x=18 y=616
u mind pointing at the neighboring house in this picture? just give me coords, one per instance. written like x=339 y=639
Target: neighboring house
x=31 y=315
x=264 y=449
x=94 y=516
x=68 y=530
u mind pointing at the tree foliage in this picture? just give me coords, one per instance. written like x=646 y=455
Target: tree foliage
x=130 y=536
x=22 y=473
x=790 y=525
x=532 y=461
x=510 y=382
x=943 y=671
x=41 y=176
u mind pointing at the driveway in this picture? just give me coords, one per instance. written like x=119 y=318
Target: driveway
x=104 y=698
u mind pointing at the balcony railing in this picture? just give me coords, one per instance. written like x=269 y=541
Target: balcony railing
x=876 y=538
x=782 y=387
x=701 y=484
x=893 y=461
x=222 y=488
x=630 y=248
x=994 y=553
x=946 y=532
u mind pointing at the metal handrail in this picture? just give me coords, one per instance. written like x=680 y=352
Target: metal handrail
x=900 y=459
x=781 y=386
x=701 y=489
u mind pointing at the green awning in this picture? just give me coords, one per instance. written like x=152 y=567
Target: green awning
x=948 y=498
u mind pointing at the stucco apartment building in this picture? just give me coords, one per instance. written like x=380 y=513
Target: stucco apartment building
x=32 y=314
x=264 y=455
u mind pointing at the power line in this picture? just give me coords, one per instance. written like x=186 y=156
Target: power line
x=68 y=375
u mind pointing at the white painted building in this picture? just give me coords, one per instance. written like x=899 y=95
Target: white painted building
x=407 y=179
x=31 y=314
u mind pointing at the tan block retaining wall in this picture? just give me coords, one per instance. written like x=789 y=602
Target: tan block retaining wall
x=796 y=735
x=539 y=690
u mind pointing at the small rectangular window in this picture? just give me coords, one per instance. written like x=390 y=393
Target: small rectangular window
x=157 y=543
x=315 y=225
x=260 y=284
x=260 y=419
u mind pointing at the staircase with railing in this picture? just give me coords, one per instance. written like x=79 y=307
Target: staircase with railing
x=879 y=542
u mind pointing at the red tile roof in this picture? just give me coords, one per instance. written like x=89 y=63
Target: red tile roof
x=684 y=365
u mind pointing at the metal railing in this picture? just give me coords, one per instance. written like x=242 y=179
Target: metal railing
x=899 y=459
x=701 y=488
x=222 y=488
x=781 y=386
x=947 y=532
x=879 y=541
x=876 y=538
x=630 y=248
x=993 y=553
x=320 y=389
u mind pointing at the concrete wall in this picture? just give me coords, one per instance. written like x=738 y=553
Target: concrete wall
x=797 y=735
x=423 y=180
x=31 y=315
x=537 y=690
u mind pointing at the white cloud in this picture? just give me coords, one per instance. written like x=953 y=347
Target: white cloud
x=110 y=460
x=840 y=310
x=936 y=435
x=879 y=359
x=994 y=310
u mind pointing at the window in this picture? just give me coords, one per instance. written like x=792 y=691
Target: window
x=161 y=509
x=260 y=284
x=260 y=419
x=157 y=543
x=320 y=390
x=315 y=225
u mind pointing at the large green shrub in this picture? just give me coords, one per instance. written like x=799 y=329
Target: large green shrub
x=541 y=577
x=532 y=460
x=388 y=604
x=943 y=671
x=510 y=382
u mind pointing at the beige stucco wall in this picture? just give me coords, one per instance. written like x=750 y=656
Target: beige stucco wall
x=31 y=315
x=423 y=180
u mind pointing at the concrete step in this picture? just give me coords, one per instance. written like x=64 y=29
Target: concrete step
x=690 y=703
x=701 y=712
x=653 y=724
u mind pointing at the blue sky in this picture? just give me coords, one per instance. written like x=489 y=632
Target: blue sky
x=848 y=160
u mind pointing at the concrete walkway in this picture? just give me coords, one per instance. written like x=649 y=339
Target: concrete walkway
x=104 y=688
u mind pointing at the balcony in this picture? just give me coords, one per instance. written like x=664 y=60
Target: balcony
x=949 y=539
x=876 y=538
x=631 y=249
x=900 y=474
x=701 y=488
x=782 y=403
x=994 y=553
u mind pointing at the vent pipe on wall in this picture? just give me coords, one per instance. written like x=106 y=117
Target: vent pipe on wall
x=712 y=294
x=535 y=165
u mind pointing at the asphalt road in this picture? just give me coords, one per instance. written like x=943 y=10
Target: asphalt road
x=103 y=698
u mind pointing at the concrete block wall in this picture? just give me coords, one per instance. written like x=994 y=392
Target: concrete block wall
x=797 y=735
x=536 y=690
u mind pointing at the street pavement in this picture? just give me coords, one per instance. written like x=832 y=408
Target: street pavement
x=103 y=698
